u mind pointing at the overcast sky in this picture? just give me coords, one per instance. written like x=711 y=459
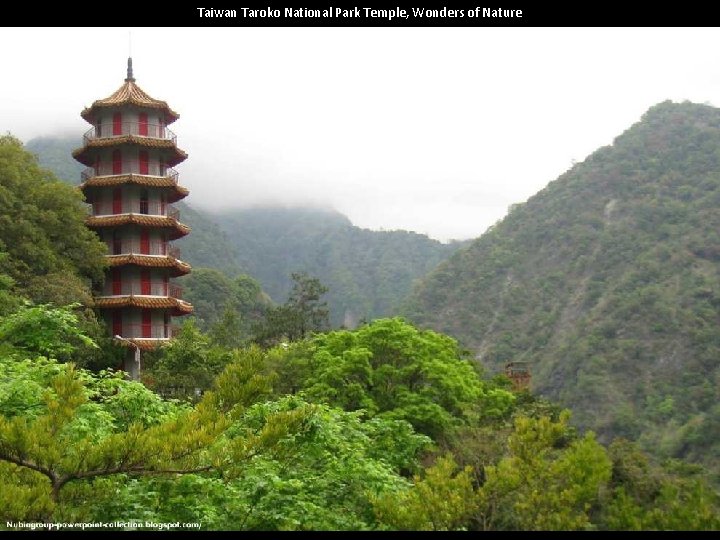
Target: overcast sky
x=436 y=130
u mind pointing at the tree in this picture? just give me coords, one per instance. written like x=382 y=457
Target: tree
x=51 y=255
x=305 y=302
x=229 y=330
x=644 y=496
x=391 y=368
x=303 y=313
x=64 y=436
x=323 y=480
x=44 y=330
x=69 y=437
x=443 y=500
x=546 y=482
x=187 y=365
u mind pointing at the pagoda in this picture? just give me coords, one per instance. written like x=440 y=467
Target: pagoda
x=131 y=185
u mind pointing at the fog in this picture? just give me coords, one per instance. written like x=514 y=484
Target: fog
x=436 y=130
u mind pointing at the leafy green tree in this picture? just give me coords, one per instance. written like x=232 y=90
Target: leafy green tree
x=645 y=496
x=323 y=480
x=546 y=482
x=444 y=500
x=390 y=368
x=187 y=365
x=69 y=437
x=320 y=477
x=483 y=441
x=44 y=330
x=303 y=313
x=306 y=301
x=229 y=331
x=283 y=464
x=51 y=254
x=9 y=301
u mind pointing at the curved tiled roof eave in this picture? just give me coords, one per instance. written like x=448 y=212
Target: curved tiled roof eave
x=130 y=94
x=82 y=154
x=179 y=268
x=163 y=222
x=98 y=182
x=179 y=307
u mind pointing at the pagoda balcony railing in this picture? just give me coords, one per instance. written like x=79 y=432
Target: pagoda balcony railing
x=122 y=129
x=135 y=207
x=138 y=247
x=146 y=331
x=129 y=166
x=142 y=288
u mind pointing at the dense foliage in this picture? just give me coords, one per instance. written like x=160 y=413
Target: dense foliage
x=213 y=295
x=305 y=312
x=78 y=446
x=45 y=247
x=47 y=255
x=607 y=282
x=390 y=369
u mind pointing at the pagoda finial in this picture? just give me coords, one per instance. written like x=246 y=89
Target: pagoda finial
x=130 y=77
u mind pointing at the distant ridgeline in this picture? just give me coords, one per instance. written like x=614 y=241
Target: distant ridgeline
x=368 y=273
x=607 y=283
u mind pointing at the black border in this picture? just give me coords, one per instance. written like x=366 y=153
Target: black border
x=535 y=15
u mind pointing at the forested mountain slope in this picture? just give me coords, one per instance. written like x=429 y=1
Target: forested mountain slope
x=368 y=272
x=608 y=283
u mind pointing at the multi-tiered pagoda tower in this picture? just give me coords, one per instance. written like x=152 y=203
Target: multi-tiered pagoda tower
x=131 y=185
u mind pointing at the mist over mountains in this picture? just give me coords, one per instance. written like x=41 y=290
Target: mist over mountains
x=368 y=273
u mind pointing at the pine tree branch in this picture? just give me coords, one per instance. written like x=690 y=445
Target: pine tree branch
x=141 y=470
x=29 y=465
x=134 y=470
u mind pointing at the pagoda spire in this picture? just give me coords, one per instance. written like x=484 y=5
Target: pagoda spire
x=130 y=77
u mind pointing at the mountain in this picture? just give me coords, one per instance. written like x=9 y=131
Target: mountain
x=607 y=282
x=53 y=153
x=368 y=272
x=207 y=245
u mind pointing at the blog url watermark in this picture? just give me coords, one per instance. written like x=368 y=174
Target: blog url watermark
x=160 y=526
